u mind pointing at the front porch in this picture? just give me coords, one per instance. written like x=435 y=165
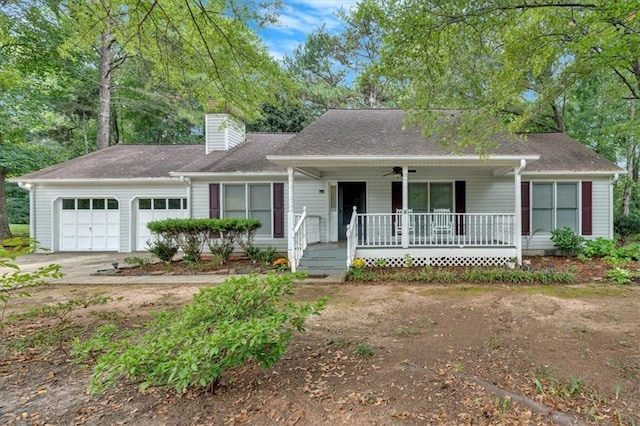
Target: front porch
x=436 y=239
x=427 y=239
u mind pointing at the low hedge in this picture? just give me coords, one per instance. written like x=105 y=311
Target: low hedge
x=450 y=276
x=192 y=234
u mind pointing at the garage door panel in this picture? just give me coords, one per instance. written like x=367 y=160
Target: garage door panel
x=89 y=224
x=158 y=209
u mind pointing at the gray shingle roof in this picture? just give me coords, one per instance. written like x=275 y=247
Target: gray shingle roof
x=336 y=133
x=383 y=133
x=123 y=161
x=559 y=152
x=249 y=156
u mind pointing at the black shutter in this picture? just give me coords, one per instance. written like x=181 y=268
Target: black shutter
x=461 y=205
x=525 y=188
x=587 y=210
x=278 y=210
x=214 y=200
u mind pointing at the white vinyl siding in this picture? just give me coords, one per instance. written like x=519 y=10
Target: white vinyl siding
x=222 y=132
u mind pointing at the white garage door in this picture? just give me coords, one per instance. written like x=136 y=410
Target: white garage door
x=150 y=209
x=89 y=224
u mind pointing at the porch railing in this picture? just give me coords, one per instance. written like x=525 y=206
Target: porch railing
x=440 y=229
x=352 y=237
x=299 y=239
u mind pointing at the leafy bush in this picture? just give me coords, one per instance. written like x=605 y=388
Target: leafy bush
x=475 y=275
x=627 y=225
x=14 y=282
x=600 y=247
x=620 y=275
x=163 y=248
x=264 y=256
x=245 y=318
x=567 y=241
x=191 y=235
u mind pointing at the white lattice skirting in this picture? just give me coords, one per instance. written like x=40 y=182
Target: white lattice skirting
x=436 y=257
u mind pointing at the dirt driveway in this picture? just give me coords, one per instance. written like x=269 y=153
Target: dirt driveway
x=378 y=354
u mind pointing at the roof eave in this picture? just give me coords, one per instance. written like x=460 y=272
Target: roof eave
x=94 y=180
x=355 y=160
x=222 y=174
x=571 y=172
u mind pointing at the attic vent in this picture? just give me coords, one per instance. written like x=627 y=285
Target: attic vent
x=222 y=132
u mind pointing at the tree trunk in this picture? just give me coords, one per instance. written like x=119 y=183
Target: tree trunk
x=104 y=113
x=632 y=170
x=5 y=232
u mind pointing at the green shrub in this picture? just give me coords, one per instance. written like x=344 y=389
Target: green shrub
x=163 y=248
x=567 y=241
x=245 y=318
x=263 y=256
x=626 y=225
x=192 y=234
x=628 y=252
x=620 y=275
x=473 y=275
x=600 y=247
x=14 y=283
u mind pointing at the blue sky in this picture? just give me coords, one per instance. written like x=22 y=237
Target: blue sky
x=297 y=19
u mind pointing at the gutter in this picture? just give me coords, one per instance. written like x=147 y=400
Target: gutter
x=93 y=180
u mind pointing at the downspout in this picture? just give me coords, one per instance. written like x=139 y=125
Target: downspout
x=32 y=206
x=517 y=177
x=290 y=224
x=613 y=181
x=187 y=181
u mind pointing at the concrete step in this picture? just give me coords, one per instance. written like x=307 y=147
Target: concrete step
x=324 y=271
x=324 y=262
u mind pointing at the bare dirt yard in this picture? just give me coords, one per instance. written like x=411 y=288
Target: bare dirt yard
x=386 y=353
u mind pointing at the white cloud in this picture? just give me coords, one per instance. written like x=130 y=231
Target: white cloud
x=307 y=15
x=300 y=17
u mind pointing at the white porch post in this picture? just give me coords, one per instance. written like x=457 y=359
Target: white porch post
x=405 y=206
x=290 y=220
x=517 y=178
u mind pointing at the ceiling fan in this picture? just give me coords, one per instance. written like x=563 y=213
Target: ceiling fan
x=397 y=171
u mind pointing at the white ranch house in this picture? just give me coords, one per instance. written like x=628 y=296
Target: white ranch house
x=358 y=178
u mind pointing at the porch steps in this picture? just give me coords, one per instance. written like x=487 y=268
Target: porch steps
x=324 y=259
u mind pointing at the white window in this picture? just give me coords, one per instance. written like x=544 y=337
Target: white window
x=554 y=205
x=251 y=200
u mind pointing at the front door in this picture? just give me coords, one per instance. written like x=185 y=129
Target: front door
x=350 y=194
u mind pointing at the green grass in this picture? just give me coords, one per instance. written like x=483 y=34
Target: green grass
x=19 y=230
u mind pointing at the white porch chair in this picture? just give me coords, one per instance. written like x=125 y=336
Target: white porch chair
x=399 y=227
x=441 y=226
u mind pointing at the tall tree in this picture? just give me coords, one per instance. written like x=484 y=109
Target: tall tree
x=337 y=69
x=205 y=47
x=28 y=84
x=511 y=59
